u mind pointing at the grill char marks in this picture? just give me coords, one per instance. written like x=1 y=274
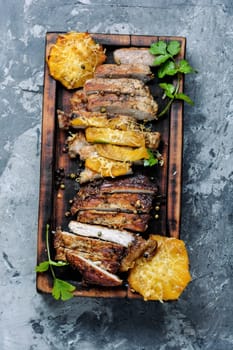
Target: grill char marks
x=92 y=273
x=138 y=203
x=131 y=184
x=120 y=203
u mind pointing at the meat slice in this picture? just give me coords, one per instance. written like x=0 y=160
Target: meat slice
x=116 y=202
x=105 y=254
x=132 y=222
x=129 y=184
x=91 y=272
x=78 y=101
x=78 y=145
x=123 y=238
x=132 y=71
x=133 y=55
x=137 y=249
x=139 y=107
x=88 y=175
x=133 y=87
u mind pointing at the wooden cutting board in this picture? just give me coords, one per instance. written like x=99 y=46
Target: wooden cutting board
x=53 y=203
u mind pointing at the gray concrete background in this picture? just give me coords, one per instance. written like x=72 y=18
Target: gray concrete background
x=203 y=317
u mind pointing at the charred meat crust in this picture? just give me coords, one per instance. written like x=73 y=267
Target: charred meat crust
x=92 y=273
x=116 y=202
x=105 y=254
x=137 y=249
x=131 y=184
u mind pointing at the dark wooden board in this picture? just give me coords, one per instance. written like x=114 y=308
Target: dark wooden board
x=53 y=203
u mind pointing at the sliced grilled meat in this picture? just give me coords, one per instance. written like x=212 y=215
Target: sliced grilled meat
x=139 y=107
x=133 y=87
x=133 y=55
x=116 y=202
x=132 y=222
x=106 y=254
x=88 y=175
x=91 y=272
x=129 y=184
x=114 y=71
x=78 y=101
x=138 y=248
x=124 y=238
x=110 y=265
x=78 y=145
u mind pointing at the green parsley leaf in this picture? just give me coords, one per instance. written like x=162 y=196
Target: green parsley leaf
x=159 y=48
x=169 y=89
x=58 y=263
x=173 y=47
x=168 y=68
x=152 y=160
x=62 y=290
x=184 y=67
x=181 y=96
x=42 y=267
x=160 y=59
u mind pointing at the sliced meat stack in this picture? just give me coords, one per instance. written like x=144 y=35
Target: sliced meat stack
x=102 y=256
x=121 y=203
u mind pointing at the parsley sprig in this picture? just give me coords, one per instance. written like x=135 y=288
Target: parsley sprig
x=61 y=289
x=154 y=158
x=167 y=65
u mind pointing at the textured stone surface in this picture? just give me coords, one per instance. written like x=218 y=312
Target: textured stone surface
x=203 y=317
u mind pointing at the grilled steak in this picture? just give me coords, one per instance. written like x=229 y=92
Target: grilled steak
x=131 y=184
x=132 y=71
x=133 y=222
x=133 y=55
x=124 y=238
x=106 y=254
x=91 y=272
x=133 y=87
x=140 y=107
x=116 y=202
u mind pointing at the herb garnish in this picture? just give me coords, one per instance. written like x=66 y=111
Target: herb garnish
x=154 y=158
x=61 y=289
x=164 y=59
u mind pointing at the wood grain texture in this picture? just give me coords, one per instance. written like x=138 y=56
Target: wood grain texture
x=54 y=202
